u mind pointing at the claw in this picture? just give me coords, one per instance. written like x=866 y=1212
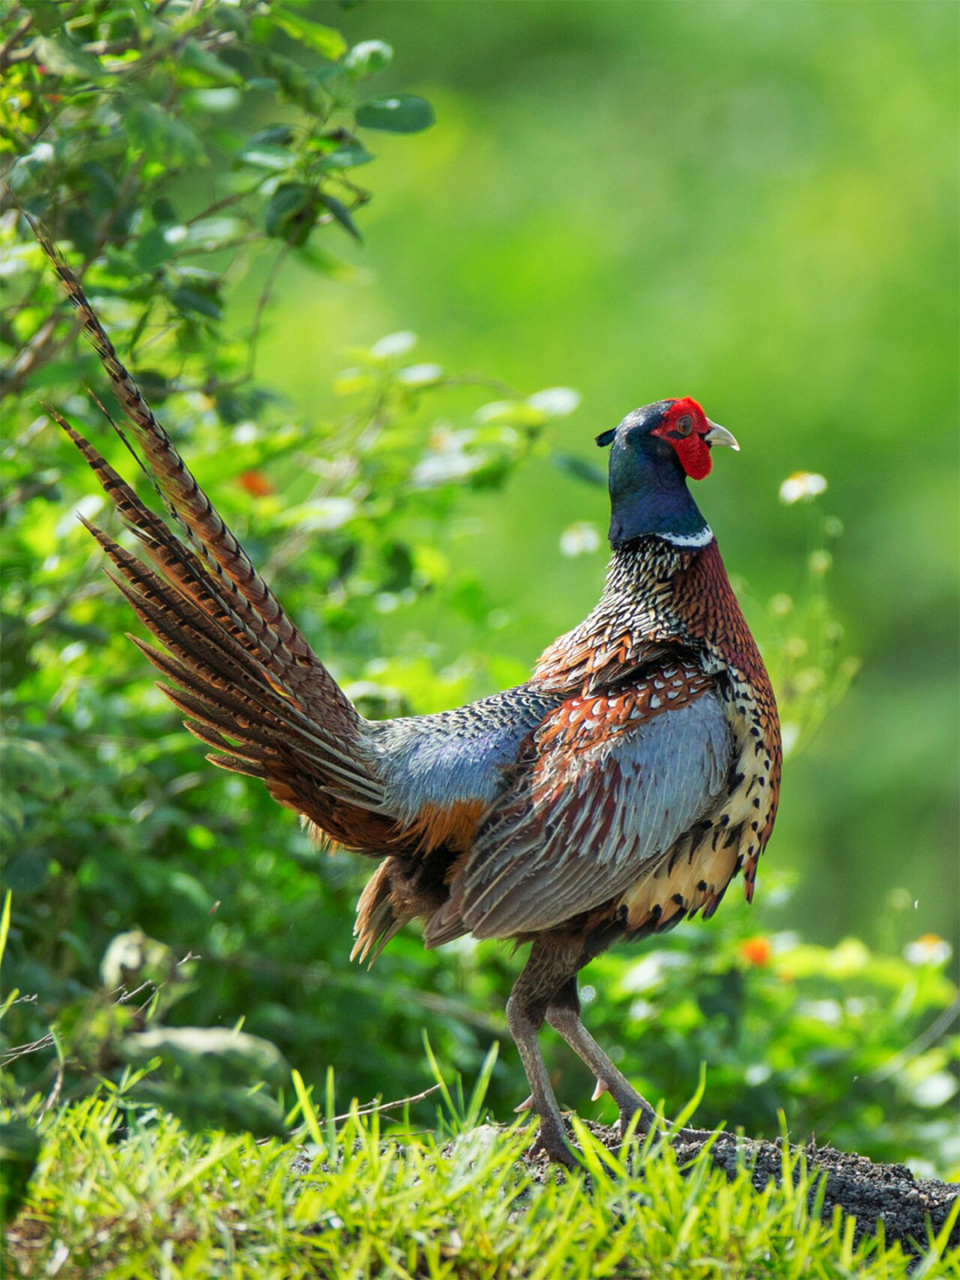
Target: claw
x=600 y=1088
x=528 y=1105
x=554 y=1146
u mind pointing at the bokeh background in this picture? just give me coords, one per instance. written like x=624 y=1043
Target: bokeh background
x=751 y=203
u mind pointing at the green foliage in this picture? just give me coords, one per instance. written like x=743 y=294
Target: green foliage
x=833 y=1036
x=19 y=1151
x=107 y=117
x=144 y=1198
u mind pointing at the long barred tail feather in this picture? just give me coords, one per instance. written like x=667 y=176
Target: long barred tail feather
x=249 y=682
x=175 y=561
x=228 y=686
x=208 y=533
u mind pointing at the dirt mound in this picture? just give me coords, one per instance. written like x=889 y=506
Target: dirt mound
x=866 y=1191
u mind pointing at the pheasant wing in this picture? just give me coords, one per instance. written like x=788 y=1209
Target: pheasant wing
x=607 y=783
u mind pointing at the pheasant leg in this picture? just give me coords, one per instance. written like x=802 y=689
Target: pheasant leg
x=551 y=968
x=566 y=1022
x=552 y=1136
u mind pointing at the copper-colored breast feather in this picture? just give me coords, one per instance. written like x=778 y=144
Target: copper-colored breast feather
x=712 y=613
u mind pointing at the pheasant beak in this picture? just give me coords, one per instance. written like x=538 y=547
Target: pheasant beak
x=720 y=435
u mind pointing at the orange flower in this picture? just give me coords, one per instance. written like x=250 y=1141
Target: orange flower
x=256 y=482
x=755 y=950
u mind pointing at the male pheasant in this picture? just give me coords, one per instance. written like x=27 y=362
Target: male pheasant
x=617 y=791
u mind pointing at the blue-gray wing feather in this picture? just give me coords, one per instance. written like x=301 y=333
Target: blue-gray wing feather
x=539 y=860
x=458 y=755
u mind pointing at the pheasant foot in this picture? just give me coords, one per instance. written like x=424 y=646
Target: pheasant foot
x=551 y=1137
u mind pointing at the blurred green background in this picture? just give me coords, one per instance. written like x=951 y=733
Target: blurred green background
x=753 y=204
x=750 y=203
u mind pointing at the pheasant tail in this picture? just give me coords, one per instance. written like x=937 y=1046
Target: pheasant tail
x=240 y=669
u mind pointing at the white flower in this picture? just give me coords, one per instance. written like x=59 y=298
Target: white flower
x=322 y=515
x=369 y=56
x=650 y=971
x=935 y=1090
x=415 y=375
x=802 y=484
x=394 y=344
x=579 y=539
x=929 y=948
x=642 y=1011
x=88 y=506
x=555 y=402
x=445 y=467
x=827 y=1011
x=758 y=1073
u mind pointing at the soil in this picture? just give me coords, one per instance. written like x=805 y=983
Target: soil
x=866 y=1191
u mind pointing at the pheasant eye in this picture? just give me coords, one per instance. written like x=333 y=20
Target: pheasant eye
x=684 y=425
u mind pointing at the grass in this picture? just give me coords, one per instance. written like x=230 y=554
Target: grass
x=119 y=1197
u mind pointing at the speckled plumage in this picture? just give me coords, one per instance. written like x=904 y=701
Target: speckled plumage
x=616 y=792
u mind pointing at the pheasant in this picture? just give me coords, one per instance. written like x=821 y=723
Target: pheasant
x=615 y=793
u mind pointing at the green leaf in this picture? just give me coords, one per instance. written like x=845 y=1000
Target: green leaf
x=19 y=1152
x=346 y=157
x=188 y=300
x=515 y=413
x=29 y=167
x=402 y=113
x=154 y=385
x=209 y=1106
x=267 y=157
x=47 y=15
x=342 y=215
x=215 y=100
x=588 y=472
x=273 y=135
x=153 y=249
x=296 y=85
x=292 y=212
x=312 y=35
x=33 y=764
x=64 y=57
x=269 y=148
x=5 y=922
x=163 y=212
x=209 y=1054
x=368 y=57
x=234 y=19
x=214 y=231
x=325 y=263
x=160 y=135
x=27 y=871
x=196 y=58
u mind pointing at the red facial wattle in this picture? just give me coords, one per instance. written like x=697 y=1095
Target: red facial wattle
x=694 y=455
x=684 y=427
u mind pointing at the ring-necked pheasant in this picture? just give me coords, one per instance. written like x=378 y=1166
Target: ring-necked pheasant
x=616 y=792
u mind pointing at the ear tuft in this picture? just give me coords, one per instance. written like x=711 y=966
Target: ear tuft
x=606 y=437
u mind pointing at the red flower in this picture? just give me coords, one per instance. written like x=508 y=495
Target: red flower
x=755 y=950
x=257 y=483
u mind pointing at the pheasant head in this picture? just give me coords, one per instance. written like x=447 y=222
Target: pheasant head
x=654 y=451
